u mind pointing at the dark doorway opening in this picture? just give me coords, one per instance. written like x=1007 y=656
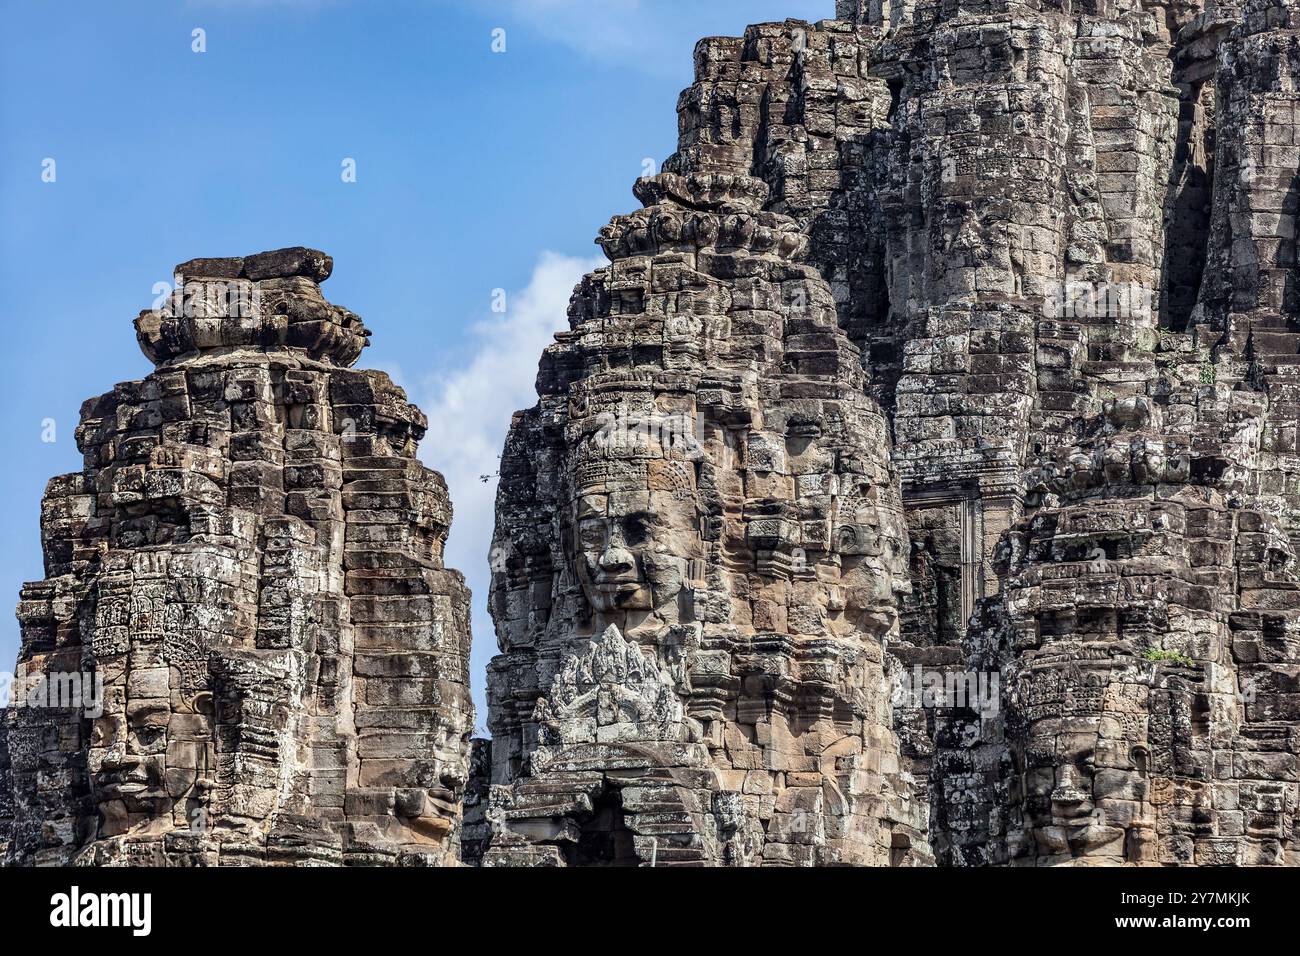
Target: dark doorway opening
x=605 y=838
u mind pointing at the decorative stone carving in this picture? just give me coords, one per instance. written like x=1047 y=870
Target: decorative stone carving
x=608 y=693
x=702 y=486
x=251 y=564
x=1055 y=244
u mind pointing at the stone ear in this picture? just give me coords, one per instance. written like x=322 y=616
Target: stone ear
x=203 y=703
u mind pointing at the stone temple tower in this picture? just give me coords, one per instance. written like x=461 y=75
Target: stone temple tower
x=984 y=313
x=699 y=549
x=918 y=484
x=246 y=649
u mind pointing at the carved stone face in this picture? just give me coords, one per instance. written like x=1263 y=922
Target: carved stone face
x=153 y=753
x=612 y=574
x=636 y=533
x=1083 y=757
x=634 y=549
x=152 y=748
x=1071 y=797
x=133 y=767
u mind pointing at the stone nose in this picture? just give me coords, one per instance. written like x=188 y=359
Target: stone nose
x=113 y=760
x=1067 y=789
x=617 y=560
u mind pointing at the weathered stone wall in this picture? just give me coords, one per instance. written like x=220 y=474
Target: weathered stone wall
x=250 y=564
x=696 y=561
x=1059 y=238
x=919 y=484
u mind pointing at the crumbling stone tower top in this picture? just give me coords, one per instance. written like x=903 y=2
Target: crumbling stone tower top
x=271 y=300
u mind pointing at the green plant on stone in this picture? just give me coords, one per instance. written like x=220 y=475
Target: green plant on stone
x=1172 y=657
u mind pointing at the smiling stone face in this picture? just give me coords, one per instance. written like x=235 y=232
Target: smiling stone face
x=1079 y=740
x=149 y=765
x=612 y=573
x=635 y=548
x=131 y=768
x=152 y=754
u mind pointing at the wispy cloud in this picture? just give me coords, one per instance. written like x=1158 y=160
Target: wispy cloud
x=648 y=36
x=626 y=32
x=601 y=29
x=469 y=410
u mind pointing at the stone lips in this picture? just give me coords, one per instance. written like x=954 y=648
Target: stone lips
x=251 y=561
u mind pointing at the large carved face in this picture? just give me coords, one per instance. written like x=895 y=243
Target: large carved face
x=612 y=573
x=152 y=753
x=132 y=766
x=1056 y=766
x=636 y=532
x=635 y=549
x=1083 y=754
x=152 y=748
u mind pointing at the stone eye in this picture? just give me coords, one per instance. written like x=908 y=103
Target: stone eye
x=592 y=534
x=148 y=738
x=635 y=530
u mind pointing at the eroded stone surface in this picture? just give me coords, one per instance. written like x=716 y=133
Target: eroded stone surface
x=251 y=564
x=698 y=548
x=983 y=311
x=919 y=484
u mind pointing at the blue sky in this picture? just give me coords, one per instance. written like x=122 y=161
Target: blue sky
x=475 y=171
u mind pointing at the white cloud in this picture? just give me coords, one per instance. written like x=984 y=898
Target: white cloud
x=650 y=36
x=606 y=30
x=628 y=33
x=469 y=410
